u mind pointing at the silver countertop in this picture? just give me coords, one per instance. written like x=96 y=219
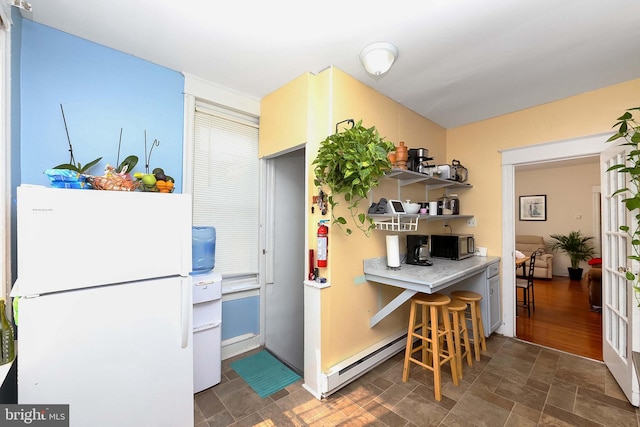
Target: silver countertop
x=441 y=274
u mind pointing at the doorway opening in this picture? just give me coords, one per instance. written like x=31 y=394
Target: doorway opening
x=283 y=309
x=577 y=148
x=561 y=305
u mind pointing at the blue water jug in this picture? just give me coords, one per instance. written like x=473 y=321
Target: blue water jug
x=203 y=249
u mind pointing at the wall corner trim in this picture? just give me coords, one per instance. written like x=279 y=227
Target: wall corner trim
x=212 y=92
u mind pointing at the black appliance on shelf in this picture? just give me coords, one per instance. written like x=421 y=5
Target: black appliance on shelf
x=452 y=246
x=418 y=250
x=418 y=160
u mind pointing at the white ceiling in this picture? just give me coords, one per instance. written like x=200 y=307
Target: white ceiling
x=460 y=61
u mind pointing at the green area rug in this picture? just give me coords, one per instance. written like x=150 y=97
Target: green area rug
x=264 y=373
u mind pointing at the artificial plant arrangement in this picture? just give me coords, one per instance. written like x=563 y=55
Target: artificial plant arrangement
x=628 y=129
x=577 y=246
x=79 y=168
x=350 y=163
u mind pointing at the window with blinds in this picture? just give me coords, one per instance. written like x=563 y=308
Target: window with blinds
x=226 y=187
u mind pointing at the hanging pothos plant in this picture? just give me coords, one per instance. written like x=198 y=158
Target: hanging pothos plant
x=350 y=163
x=629 y=130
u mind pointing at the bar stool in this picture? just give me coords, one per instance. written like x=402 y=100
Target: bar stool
x=460 y=331
x=430 y=335
x=475 y=315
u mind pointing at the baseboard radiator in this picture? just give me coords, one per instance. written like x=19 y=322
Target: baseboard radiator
x=352 y=368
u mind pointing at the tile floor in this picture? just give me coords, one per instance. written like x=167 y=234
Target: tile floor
x=515 y=384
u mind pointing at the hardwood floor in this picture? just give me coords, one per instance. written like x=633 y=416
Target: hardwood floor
x=562 y=318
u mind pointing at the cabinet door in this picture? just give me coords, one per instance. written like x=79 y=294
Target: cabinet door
x=493 y=290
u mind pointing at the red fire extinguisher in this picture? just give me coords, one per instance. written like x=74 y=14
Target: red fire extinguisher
x=323 y=241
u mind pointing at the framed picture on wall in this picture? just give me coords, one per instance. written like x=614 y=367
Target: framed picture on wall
x=533 y=208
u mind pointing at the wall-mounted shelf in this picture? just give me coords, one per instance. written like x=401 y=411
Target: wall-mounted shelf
x=408 y=222
x=409 y=177
x=398 y=222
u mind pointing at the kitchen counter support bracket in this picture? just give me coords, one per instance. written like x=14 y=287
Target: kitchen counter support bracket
x=391 y=306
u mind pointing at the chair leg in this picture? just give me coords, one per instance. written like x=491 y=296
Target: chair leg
x=435 y=346
x=483 y=341
x=407 y=353
x=533 y=298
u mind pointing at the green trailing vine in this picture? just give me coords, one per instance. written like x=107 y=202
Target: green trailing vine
x=351 y=163
x=628 y=129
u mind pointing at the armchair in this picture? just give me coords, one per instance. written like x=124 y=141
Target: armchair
x=528 y=244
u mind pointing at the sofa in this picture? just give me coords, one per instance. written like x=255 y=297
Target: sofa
x=527 y=244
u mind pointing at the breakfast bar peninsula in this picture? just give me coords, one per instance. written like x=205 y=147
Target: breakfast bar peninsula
x=478 y=274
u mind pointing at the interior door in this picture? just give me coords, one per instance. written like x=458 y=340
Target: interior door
x=620 y=313
x=284 y=300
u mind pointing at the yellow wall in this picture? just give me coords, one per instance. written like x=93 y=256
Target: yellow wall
x=570 y=206
x=284 y=116
x=350 y=303
x=316 y=104
x=307 y=109
x=477 y=146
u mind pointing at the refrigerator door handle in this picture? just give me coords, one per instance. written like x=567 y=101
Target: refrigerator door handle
x=185 y=287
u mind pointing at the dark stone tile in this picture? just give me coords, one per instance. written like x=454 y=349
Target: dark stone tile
x=419 y=411
x=208 y=403
x=604 y=399
x=428 y=393
x=250 y=421
x=567 y=417
x=361 y=392
x=279 y=394
x=222 y=419
x=382 y=383
x=344 y=405
x=273 y=415
x=480 y=411
x=303 y=405
x=453 y=420
x=391 y=396
x=384 y=414
x=562 y=395
x=582 y=372
x=521 y=393
x=488 y=380
x=538 y=385
x=197 y=414
x=525 y=412
x=508 y=366
x=516 y=420
x=502 y=402
x=604 y=409
x=243 y=401
x=364 y=418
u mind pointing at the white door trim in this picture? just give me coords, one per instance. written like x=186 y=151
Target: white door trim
x=585 y=146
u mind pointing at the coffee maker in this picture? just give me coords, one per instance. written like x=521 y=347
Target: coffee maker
x=418 y=250
x=418 y=160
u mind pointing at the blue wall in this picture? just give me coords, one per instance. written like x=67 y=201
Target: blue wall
x=101 y=90
x=240 y=316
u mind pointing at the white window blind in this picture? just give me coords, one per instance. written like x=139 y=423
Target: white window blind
x=226 y=187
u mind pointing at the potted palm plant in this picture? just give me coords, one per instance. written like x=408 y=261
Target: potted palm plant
x=577 y=246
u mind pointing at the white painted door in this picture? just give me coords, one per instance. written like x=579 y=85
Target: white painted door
x=620 y=313
x=284 y=299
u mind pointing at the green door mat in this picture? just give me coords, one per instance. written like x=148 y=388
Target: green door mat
x=264 y=373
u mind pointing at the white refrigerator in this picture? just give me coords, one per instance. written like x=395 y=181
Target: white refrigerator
x=105 y=314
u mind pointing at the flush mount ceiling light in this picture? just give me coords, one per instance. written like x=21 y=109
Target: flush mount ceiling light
x=378 y=57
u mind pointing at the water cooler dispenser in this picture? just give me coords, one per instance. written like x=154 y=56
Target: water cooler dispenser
x=207 y=310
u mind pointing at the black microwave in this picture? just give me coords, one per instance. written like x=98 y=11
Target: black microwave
x=452 y=246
